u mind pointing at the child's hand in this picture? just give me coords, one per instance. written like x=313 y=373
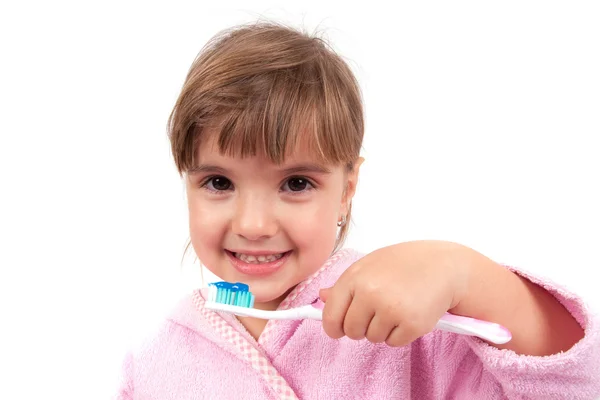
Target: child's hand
x=395 y=294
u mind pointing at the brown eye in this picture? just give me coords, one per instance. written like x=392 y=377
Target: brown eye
x=297 y=184
x=218 y=183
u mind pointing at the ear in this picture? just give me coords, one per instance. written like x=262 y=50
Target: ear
x=351 y=183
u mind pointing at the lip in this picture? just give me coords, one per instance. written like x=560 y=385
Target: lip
x=257 y=269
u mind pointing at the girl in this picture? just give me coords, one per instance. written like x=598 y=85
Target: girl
x=267 y=133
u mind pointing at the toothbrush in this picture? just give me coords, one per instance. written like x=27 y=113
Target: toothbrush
x=235 y=298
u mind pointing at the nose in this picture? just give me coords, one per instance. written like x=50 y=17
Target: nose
x=254 y=218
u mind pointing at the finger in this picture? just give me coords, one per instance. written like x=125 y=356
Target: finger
x=379 y=329
x=357 y=319
x=338 y=300
x=396 y=338
x=324 y=294
x=401 y=335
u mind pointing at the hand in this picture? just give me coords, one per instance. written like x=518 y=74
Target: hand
x=396 y=294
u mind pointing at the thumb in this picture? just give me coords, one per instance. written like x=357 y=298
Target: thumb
x=324 y=294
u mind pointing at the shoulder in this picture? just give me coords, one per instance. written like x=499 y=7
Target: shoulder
x=159 y=346
x=181 y=328
x=330 y=271
x=344 y=258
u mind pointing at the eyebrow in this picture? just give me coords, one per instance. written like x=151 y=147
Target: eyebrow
x=306 y=168
x=296 y=169
x=205 y=169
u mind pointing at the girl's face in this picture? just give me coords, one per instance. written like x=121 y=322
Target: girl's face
x=269 y=226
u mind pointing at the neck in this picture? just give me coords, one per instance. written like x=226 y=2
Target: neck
x=255 y=326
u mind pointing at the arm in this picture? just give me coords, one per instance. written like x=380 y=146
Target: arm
x=539 y=323
x=397 y=294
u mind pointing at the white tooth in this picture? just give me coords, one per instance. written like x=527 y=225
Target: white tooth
x=258 y=259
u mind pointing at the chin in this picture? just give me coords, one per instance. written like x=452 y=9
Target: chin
x=269 y=295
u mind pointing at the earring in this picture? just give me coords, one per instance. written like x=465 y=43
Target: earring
x=342 y=221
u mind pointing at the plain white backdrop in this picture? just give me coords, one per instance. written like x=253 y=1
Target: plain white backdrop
x=482 y=128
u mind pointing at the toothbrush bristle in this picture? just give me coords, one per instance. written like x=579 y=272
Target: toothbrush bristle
x=234 y=294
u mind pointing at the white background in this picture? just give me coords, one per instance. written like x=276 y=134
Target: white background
x=482 y=128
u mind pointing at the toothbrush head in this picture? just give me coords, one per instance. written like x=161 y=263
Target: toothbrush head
x=234 y=294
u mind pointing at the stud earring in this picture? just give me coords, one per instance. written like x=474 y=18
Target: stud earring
x=342 y=221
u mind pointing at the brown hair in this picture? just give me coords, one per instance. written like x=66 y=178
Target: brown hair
x=265 y=87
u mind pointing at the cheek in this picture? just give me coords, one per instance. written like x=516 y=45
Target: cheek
x=207 y=227
x=313 y=227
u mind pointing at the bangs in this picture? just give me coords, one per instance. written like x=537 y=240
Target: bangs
x=283 y=114
x=268 y=91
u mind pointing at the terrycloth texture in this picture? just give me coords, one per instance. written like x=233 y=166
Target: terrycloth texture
x=198 y=354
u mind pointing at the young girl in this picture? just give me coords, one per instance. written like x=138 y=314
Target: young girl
x=267 y=133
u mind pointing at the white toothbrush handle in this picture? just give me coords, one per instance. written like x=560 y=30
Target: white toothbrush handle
x=305 y=312
x=489 y=331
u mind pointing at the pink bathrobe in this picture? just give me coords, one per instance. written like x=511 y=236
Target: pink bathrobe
x=198 y=354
